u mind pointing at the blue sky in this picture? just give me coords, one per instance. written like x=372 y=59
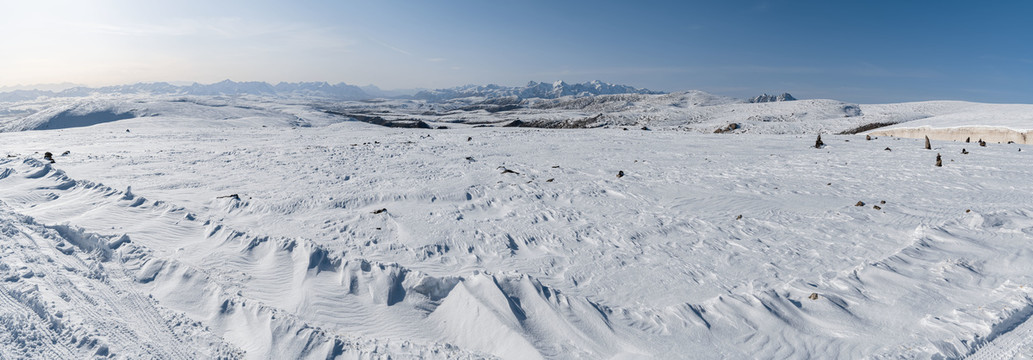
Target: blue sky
x=861 y=51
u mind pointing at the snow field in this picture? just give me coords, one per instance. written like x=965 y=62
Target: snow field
x=559 y=258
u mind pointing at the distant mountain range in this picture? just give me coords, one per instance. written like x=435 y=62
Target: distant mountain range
x=531 y=90
x=342 y=91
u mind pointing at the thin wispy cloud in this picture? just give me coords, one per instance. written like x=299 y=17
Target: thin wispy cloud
x=389 y=46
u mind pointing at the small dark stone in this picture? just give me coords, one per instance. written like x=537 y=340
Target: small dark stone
x=859 y=203
x=66 y=153
x=938 y=161
x=887 y=149
x=968 y=139
x=378 y=212
x=230 y=196
x=468 y=138
x=876 y=207
x=868 y=137
x=963 y=151
x=645 y=128
x=738 y=217
x=508 y=171
x=927 y=145
x=883 y=202
x=550 y=180
x=813 y=296
x=818 y=144
x=620 y=174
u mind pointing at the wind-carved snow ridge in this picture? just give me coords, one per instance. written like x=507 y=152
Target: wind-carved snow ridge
x=319 y=276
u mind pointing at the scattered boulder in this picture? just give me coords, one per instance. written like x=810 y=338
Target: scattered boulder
x=818 y=144
x=859 y=203
x=868 y=137
x=738 y=217
x=468 y=138
x=887 y=149
x=66 y=153
x=982 y=143
x=645 y=128
x=48 y=156
x=963 y=151
x=550 y=180
x=230 y=196
x=927 y=145
x=883 y=202
x=813 y=296
x=876 y=207
x=620 y=174
x=968 y=140
x=508 y=171
x=727 y=128
x=379 y=211
x=938 y=161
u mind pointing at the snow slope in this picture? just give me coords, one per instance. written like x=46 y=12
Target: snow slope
x=218 y=227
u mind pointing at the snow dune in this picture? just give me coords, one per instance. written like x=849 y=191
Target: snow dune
x=226 y=228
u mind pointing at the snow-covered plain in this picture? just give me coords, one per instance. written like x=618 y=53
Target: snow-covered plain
x=208 y=227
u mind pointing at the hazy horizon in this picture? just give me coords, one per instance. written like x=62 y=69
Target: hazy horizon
x=867 y=52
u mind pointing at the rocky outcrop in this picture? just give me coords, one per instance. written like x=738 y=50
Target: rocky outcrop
x=771 y=98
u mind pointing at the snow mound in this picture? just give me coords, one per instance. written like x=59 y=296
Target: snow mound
x=80 y=113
